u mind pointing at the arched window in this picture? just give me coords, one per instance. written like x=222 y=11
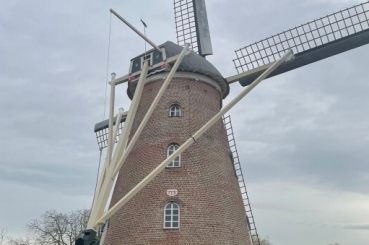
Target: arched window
x=177 y=161
x=171 y=216
x=175 y=111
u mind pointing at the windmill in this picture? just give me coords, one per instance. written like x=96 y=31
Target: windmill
x=310 y=42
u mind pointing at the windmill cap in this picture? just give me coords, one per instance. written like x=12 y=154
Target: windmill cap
x=193 y=62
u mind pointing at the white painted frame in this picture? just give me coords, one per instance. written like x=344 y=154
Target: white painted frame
x=171 y=222
x=175 y=110
x=179 y=156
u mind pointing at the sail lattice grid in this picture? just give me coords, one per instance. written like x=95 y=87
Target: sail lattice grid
x=305 y=37
x=184 y=16
x=102 y=136
x=251 y=226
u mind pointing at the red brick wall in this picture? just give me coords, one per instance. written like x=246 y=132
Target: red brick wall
x=211 y=211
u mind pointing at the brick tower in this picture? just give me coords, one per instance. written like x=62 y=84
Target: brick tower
x=196 y=199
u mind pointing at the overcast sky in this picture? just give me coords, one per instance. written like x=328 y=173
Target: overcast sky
x=303 y=137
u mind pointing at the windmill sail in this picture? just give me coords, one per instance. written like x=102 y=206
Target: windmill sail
x=316 y=40
x=101 y=130
x=241 y=181
x=192 y=25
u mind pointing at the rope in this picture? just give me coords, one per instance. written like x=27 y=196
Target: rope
x=107 y=67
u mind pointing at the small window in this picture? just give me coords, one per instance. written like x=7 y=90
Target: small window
x=177 y=161
x=171 y=216
x=175 y=111
x=146 y=58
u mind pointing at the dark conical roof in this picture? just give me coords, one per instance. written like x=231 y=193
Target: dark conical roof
x=191 y=63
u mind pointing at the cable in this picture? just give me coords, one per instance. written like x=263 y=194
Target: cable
x=107 y=67
x=97 y=180
x=98 y=172
x=106 y=88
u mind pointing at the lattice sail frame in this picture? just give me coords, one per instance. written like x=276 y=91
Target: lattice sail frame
x=304 y=37
x=102 y=136
x=227 y=122
x=184 y=16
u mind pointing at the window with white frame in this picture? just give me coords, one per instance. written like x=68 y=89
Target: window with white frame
x=171 y=216
x=177 y=161
x=175 y=111
x=147 y=58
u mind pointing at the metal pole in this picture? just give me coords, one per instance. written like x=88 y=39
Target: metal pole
x=188 y=143
x=135 y=30
x=121 y=161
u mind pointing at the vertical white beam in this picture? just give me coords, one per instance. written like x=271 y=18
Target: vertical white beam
x=103 y=175
x=111 y=119
x=115 y=134
x=109 y=150
x=117 y=123
x=108 y=178
x=106 y=189
x=188 y=143
x=131 y=116
x=121 y=161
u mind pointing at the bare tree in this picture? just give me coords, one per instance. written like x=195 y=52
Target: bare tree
x=2 y=236
x=55 y=228
x=52 y=228
x=20 y=241
x=265 y=241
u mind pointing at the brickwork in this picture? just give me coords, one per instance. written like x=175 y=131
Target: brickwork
x=211 y=208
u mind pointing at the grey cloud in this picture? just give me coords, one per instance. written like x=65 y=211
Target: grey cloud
x=356 y=226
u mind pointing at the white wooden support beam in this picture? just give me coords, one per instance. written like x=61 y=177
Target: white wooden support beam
x=103 y=175
x=115 y=133
x=132 y=142
x=111 y=120
x=135 y=30
x=131 y=115
x=259 y=69
x=108 y=178
x=237 y=77
x=108 y=185
x=96 y=200
x=188 y=143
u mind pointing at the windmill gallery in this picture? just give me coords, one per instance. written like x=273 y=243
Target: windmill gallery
x=172 y=158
